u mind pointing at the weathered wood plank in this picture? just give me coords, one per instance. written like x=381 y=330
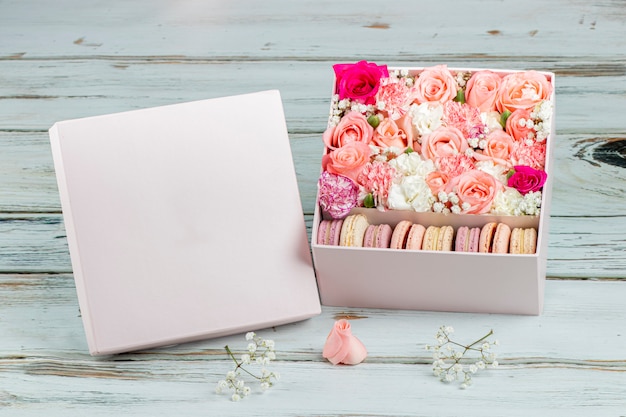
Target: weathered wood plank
x=314 y=389
x=545 y=31
x=580 y=326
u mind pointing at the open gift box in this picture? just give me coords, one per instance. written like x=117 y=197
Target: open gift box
x=184 y=222
x=369 y=277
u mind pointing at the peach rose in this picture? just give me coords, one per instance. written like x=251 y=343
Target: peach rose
x=444 y=141
x=435 y=84
x=405 y=123
x=519 y=131
x=342 y=347
x=522 y=90
x=481 y=90
x=347 y=160
x=499 y=146
x=388 y=134
x=352 y=127
x=476 y=190
x=437 y=181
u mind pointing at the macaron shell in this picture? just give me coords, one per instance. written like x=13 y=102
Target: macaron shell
x=323 y=231
x=445 y=238
x=462 y=239
x=335 y=232
x=530 y=240
x=345 y=238
x=430 y=238
x=369 y=240
x=501 y=238
x=383 y=236
x=486 y=237
x=415 y=237
x=399 y=236
x=473 y=239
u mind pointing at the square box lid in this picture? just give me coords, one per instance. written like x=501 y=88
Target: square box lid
x=184 y=222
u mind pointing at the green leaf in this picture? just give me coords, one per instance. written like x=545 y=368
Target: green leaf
x=460 y=96
x=503 y=117
x=368 y=201
x=373 y=120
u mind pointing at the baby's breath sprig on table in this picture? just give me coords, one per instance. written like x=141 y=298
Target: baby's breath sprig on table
x=451 y=363
x=259 y=352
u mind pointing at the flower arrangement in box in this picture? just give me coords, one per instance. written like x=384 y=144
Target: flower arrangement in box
x=436 y=140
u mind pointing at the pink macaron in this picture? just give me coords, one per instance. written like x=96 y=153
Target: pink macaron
x=329 y=231
x=377 y=236
x=400 y=235
x=415 y=237
x=467 y=239
x=494 y=238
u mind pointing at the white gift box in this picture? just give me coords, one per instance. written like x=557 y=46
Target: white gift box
x=438 y=281
x=184 y=222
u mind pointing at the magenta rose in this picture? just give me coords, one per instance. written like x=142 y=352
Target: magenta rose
x=526 y=179
x=360 y=81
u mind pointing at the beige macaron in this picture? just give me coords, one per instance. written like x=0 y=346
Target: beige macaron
x=438 y=238
x=524 y=241
x=353 y=230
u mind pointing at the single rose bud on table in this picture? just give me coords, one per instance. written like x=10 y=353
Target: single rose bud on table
x=342 y=346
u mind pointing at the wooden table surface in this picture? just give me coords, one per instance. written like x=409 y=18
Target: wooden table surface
x=68 y=59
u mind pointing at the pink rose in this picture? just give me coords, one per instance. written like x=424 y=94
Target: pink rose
x=435 y=84
x=437 y=181
x=476 y=190
x=388 y=134
x=342 y=347
x=526 y=179
x=519 y=131
x=353 y=127
x=498 y=148
x=405 y=123
x=360 y=81
x=481 y=90
x=522 y=90
x=347 y=160
x=444 y=141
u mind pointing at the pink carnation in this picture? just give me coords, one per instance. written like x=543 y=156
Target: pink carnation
x=376 y=178
x=532 y=156
x=337 y=194
x=464 y=117
x=455 y=165
x=394 y=94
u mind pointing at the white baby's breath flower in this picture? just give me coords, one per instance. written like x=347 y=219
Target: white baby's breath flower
x=448 y=365
x=259 y=352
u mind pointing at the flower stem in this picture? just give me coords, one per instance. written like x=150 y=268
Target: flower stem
x=240 y=364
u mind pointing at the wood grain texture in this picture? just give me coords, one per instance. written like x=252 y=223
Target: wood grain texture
x=68 y=59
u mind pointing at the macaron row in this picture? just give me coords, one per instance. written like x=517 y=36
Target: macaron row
x=356 y=231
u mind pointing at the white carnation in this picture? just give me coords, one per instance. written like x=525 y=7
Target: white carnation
x=507 y=202
x=491 y=120
x=426 y=117
x=411 y=193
